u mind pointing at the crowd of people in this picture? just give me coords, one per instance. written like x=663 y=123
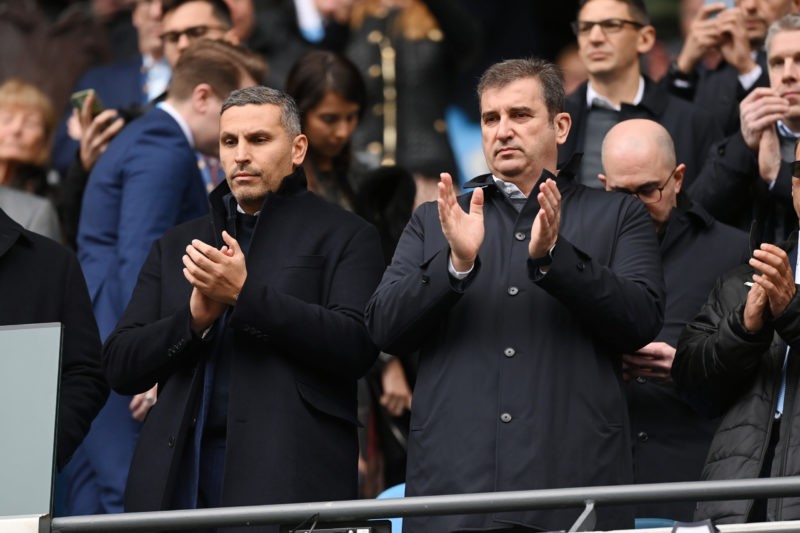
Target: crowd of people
x=277 y=285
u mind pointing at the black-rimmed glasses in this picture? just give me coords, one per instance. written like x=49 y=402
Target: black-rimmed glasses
x=650 y=193
x=191 y=33
x=796 y=169
x=608 y=26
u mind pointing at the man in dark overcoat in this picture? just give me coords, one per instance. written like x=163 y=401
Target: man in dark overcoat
x=670 y=435
x=41 y=282
x=521 y=297
x=251 y=323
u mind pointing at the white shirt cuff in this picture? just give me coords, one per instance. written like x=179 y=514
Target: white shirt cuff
x=455 y=273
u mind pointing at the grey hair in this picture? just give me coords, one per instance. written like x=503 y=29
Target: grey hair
x=790 y=22
x=260 y=95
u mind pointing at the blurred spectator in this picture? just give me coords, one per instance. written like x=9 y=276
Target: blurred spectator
x=747 y=176
x=284 y=30
x=612 y=37
x=185 y=21
x=124 y=89
x=670 y=438
x=410 y=53
x=26 y=129
x=569 y=61
x=58 y=43
x=330 y=93
x=738 y=34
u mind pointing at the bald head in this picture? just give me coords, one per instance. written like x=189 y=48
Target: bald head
x=639 y=158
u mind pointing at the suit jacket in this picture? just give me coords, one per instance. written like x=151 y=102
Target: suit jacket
x=719 y=91
x=670 y=437
x=298 y=345
x=41 y=282
x=692 y=129
x=33 y=212
x=145 y=183
x=519 y=386
x=729 y=187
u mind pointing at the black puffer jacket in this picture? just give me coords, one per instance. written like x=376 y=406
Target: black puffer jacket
x=739 y=373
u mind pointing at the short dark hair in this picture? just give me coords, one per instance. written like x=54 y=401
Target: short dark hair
x=260 y=95
x=637 y=8
x=549 y=75
x=219 y=8
x=220 y=64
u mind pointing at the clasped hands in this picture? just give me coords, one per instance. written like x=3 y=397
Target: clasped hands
x=217 y=277
x=465 y=231
x=773 y=287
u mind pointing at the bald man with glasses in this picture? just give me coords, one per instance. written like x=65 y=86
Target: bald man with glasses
x=670 y=438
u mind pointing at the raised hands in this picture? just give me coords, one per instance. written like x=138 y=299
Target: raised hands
x=217 y=277
x=464 y=231
x=773 y=286
x=93 y=133
x=544 y=231
x=759 y=111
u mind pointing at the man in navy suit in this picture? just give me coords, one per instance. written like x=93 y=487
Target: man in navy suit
x=145 y=183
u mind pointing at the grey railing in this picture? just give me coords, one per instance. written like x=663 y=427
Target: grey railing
x=293 y=514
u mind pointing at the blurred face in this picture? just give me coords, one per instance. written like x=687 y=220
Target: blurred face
x=783 y=59
x=187 y=23
x=243 y=17
x=616 y=49
x=147 y=21
x=22 y=134
x=256 y=152
x=759 y=14
x=330 y=124
x=519 y=139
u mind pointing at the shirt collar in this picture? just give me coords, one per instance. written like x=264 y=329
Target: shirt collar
x=171 y=111
x=509 y=189
x=592 y=97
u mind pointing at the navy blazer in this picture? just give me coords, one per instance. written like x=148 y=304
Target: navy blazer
x=145 y=183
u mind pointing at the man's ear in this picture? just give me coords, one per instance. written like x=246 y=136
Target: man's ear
x=561 y=125
x=602 y=178
x=299 y=148
x=646 y=40
x=678 y=177
x=201 y=97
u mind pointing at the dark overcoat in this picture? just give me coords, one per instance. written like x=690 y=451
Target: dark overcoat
x=299 y=344
x=670 y=435
x=519 y=378
x=40 y=282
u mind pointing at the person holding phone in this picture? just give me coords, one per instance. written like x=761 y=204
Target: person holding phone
x=737 y=28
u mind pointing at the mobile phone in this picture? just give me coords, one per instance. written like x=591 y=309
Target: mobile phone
x=79 y=97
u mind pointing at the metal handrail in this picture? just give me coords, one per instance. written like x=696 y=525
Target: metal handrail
x=296 y=513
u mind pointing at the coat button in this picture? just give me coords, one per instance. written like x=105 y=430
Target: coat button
x=509 y=352
x=641 y=379
x=505 y=417
x=520 y=236
x=425 y=279
x=171 y=442
x=642 y=436
x=512 y=291
x=580 y=266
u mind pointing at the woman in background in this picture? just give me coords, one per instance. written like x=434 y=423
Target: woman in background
x=27 y=121
x=330 y=95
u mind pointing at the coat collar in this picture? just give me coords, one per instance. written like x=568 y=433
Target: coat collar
x=223 y=204
x=10 y=233
x=565 y=175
